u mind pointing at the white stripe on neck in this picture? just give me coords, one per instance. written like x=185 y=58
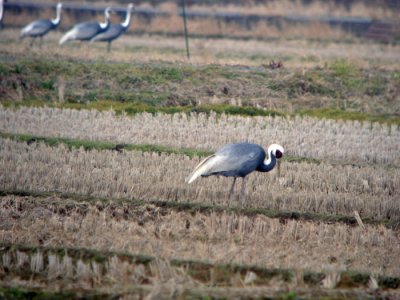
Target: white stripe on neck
x=127 y=19
x=58 y=16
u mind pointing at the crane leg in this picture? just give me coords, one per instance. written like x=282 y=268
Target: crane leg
x=32 y=41
x=41 y=42
x=108 y=47
x=231 y=191
x=243 y=191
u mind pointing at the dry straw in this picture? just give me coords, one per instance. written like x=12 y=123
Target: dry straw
x=294 y=52
x=335 y=189
x=215 y=237
x=348 y=142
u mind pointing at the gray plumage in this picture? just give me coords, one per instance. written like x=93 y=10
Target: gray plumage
x=40 y=28
x=86 y=31
x=238 y=160
x=115 y=30
x=1 y=12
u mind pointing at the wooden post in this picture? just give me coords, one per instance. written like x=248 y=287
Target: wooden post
x=185 y=27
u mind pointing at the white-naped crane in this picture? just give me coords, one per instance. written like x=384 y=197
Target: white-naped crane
x=1 y=12
x=40 y=28
x=87 y=30
x=115 y=30
x=237 y=160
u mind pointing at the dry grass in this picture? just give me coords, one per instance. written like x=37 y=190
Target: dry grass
x=314 y=8
x=172 y=24
x=261 y=30
x=372 y=191
x=218 y=238
x=344 y=142
x=212 y=26
x=69 y=272
x=294 y=53
x=281 y=7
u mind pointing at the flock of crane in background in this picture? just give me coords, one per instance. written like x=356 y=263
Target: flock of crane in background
x=87 y=31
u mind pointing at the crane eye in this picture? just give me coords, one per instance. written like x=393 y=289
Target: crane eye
x=278 y=154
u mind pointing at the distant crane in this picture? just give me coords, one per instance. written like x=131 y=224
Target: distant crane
x=1 y=12
x=237 y=160
x=115 y=30
x=86 y=31
x=40 y=28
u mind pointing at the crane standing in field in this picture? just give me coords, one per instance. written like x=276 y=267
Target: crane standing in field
x=40 y=28
x=87 y=30
x=1 y=12
x=115 y=30
x=237 y=160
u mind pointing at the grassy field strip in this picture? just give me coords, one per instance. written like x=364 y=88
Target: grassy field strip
x=218 y=237
x=101 y=145
x=45 y=199
x=104 y=268
x=293 y=52
x=349 y=142
x=304 y=187
x=352 y=91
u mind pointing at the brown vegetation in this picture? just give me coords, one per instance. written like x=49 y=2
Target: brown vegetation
x=217 y=237
x=294 y=52
x=348 y=169
x=107 y=274
x=371 y=190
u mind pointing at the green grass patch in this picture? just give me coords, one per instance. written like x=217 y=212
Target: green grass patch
x=142 y=105
x=343 y=68
x=336 y=114
x=22 y=293
x=99 y=145
x=163 y=86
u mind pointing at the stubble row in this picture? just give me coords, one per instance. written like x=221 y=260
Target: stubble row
x=331 y=189
x=343 y=141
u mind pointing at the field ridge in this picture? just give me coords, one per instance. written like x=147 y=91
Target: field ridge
x=32 y=259
x=238 y=90
x=201 y=208
x=72 y=143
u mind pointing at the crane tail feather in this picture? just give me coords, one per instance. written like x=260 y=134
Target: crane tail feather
x=200 y=169
x=70 y=35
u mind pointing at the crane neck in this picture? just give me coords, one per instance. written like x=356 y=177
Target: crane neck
x=1 y=10
x=104 y=26
x=127 y=21
x=57 y=20
x=268 y=164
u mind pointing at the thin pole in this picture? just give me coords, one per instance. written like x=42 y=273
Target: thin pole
x=186 y=32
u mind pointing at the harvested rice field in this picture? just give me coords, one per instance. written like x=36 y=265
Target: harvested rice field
x=96 y=149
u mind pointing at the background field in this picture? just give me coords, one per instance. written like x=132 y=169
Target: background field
x=95 y=149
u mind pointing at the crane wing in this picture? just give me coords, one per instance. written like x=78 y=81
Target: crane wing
x=114 y=31
x=201 y=168
x=37 y=27
x=222 y=164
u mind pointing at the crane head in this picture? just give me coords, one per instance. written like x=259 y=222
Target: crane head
x=107 y=11
x=276 y=150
